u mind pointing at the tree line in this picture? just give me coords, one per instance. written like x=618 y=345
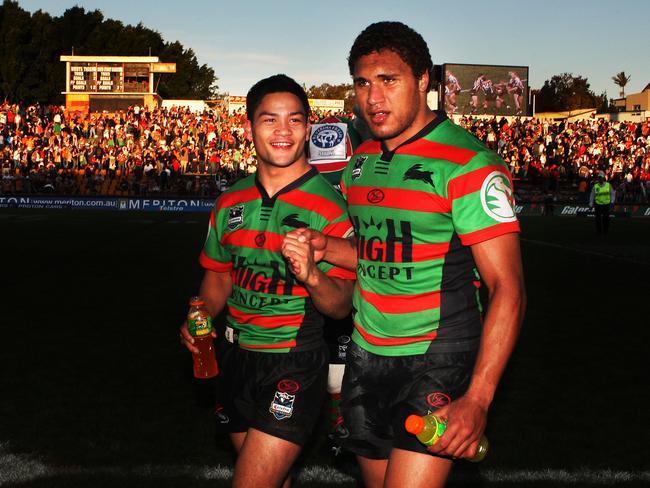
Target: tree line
x=31 y=45
x=31 y=71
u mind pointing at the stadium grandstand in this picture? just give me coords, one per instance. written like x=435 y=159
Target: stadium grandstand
x=176 y=152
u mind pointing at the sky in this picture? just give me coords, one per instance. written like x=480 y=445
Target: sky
x=309 y=40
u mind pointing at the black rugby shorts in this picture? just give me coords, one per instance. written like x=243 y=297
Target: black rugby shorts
x=280 y=394
x=379 y=392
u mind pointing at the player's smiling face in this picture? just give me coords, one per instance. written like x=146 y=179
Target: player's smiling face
x=392 y=100
x=279 y=130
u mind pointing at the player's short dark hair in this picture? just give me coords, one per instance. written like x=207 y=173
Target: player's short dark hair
x=274 y=84
x=396 y=37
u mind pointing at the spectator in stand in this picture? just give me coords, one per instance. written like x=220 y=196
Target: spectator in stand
x=42 y=142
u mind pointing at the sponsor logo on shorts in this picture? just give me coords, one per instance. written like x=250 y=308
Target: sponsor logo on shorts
x=497 y=199
x=438 y=399
x=235 y=217
x=222 y=418
x=282 y=405
x=375 y=195
x=288 y=386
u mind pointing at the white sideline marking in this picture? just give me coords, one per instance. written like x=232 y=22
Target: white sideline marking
x=584 y=251
x=21 y=468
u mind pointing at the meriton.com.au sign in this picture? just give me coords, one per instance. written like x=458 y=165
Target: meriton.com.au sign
x=119 y=204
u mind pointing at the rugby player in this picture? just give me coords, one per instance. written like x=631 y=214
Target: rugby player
x=516 y=89
x=274 y=372
x=473 y=93
x=452 y=89
x=432 y=208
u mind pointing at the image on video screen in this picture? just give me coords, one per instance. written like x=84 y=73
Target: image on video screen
x=485 y=89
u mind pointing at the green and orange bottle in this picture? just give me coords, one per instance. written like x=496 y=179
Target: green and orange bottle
x=429 y=429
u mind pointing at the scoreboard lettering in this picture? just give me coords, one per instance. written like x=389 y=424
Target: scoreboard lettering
x=96 y=77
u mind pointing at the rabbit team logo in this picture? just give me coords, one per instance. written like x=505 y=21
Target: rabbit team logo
x=497 y=199
x=327 y=136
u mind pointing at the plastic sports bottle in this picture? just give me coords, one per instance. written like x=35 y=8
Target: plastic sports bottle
x=199 y=325
x=429 y=429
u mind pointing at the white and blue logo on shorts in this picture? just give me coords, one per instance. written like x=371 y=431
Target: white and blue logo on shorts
x=282 y=405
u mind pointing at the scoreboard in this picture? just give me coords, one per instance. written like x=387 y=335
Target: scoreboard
x=98 y=83
x=96 y=77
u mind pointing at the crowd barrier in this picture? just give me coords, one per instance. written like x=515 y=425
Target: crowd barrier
x=205 y=205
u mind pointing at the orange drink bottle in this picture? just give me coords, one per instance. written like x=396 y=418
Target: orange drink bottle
x=199 y=325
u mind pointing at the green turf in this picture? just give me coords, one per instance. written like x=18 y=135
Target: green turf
x=93 y=376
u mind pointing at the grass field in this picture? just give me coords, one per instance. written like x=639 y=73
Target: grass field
x=95 y=390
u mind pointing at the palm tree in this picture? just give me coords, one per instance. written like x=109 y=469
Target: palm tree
x=621 y=80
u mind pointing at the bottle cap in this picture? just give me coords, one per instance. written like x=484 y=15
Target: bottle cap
x=196 y=301
x=414 y=424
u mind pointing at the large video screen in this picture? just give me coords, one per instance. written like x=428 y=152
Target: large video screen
x=485 y=89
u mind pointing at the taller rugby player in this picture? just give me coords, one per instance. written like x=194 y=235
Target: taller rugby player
x=433 y=214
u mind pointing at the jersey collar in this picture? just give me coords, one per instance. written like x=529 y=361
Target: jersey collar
x=441 y=116
x=297 y=183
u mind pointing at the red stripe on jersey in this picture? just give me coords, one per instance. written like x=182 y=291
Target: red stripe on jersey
x=213 y=265
x=393 y=341
x=344 y=274
x=472 y=181
x=213 y=219
x=344 y=190
x=315 y=203
x=369 y=147
x=233 y=198
x=489 y=233
x=338 y=229
x=266 y=321
x=329 y=166
x=427 y=252
x=420 y=201
x=250 y=238
x=279 y=345
x=423 y=252
x=401 y=303
x=437 y=150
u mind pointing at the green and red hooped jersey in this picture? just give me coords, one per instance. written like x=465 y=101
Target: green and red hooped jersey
x=270 y=309
x=416 y=211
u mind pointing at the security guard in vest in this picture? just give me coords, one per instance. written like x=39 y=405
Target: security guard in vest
x=602 y=195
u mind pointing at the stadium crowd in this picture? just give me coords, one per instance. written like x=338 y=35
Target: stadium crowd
x=176 y=152
x=552 y=156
